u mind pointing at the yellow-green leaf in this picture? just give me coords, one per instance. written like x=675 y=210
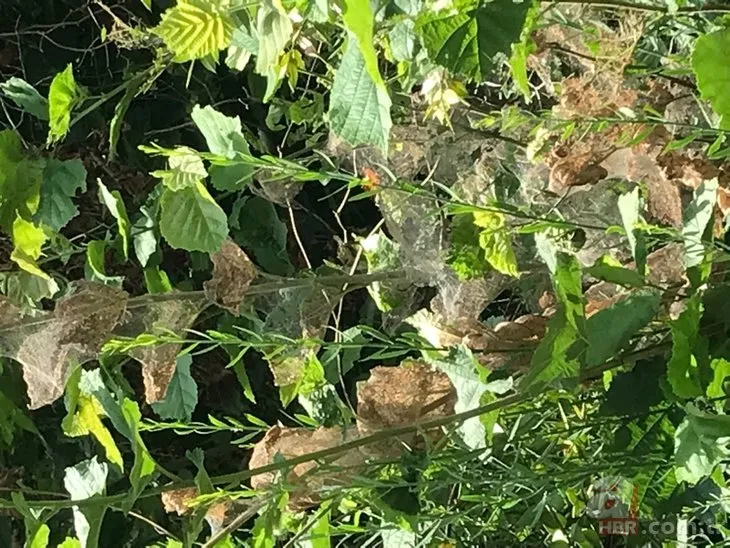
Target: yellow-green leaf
x=63 y=96
x=28 y=240
x=194 y=29
x=87 y=420
x=496 y=240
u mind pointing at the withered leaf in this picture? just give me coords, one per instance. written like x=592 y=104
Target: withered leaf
x=233 y=273
x=48 y=345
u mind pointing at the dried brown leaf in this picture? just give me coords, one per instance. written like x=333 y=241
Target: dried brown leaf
x=176 y=500
x=233 y=273
x=49 y=344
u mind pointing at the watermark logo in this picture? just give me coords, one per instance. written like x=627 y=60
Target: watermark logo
x=614 y=501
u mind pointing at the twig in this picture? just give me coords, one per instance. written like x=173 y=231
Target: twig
x=627 y=4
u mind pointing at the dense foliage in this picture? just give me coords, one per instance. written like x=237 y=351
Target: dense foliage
x=353 y=272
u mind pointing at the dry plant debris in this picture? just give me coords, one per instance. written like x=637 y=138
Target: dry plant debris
x=233 y=273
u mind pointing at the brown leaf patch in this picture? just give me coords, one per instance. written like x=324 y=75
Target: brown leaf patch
x=233 y=273
x=48 y=344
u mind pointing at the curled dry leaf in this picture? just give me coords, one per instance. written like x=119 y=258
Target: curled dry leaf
x=495 y=348
x=393 y=396
x=233 y=273
x=217 y=515
x=47 y=345
x=160 y=317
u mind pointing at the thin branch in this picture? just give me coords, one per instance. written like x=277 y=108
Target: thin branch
x=627 y=4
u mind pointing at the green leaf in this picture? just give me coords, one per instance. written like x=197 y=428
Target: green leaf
x=156 y=281
x=518 y=67
x=61 y=181
x=40 y=537
x=696 y=217
x=615 y=274
x=145 y=235
x=359 y=109
x=462 y=369
x=191 y=219
x=257 y=227
x=629 y=207
x=274 y=29
x=20 y=180
x=26 y=97
x=496 y=240
x=115 y=204
x=28 y=240
x=465 y=42
x=195 y=29
x=359 y=21
x=720 y=371
x=551 y=362
x=403 y=40
x=569 y=290
x=70 y=542
x=134 y=87
x=337 y=362
x=86 y=480
x=610 y=330
x=466 y=257
x=700 y=444
x=224 y=137
x=709 y=62
x=183 y=171
x=63 y=96
x=86 y=420
x=182 y=393
x=688 y=351
x=95 y=268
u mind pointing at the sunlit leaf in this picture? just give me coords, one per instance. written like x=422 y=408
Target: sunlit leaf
x=713 y=75
x=115 y=204
x=86 y=480
x=63 y=96
x=26 y=97
x=191 y=219
x=194 y=29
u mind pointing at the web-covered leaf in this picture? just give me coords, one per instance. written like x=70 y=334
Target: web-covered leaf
x=194 y=29
x=49 y=344
x=233 y=273
x=701 y=442
x=159 y=317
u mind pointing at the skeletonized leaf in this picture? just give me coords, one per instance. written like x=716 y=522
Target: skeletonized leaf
x=233 y=273
x=48 y=345
x=194 y=29
x=26 y=97
x=63 y=96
